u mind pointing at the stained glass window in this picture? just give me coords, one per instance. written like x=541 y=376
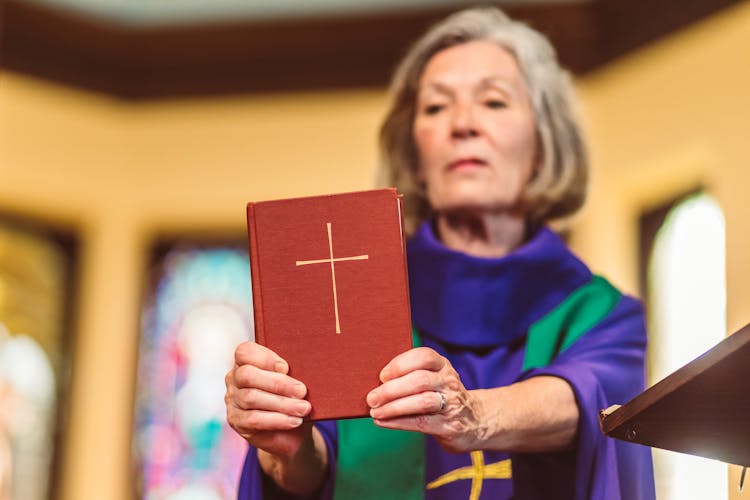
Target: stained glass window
x=199 y=311
x=36 y=269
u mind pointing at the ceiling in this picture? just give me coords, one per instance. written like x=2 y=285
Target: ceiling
x=155 y=12
x=146 y=49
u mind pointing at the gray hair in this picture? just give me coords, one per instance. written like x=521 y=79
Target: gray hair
x=558 y=189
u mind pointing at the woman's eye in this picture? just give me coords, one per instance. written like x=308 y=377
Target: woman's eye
x=433 y=109
x=495 y=104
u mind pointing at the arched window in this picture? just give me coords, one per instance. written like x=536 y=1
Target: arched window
x=199 y=311
x=687 y=316
x=37 y=269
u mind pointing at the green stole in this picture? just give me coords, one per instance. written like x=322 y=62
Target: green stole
x=364 y=475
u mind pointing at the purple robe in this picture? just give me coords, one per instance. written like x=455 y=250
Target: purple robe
x=477 y=312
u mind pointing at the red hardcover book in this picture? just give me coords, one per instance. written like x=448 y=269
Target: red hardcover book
x=330 y=292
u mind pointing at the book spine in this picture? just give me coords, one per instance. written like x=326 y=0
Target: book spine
x=252 y=234
x=402 y=227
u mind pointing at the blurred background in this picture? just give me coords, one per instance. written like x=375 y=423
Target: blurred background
x=133 y=132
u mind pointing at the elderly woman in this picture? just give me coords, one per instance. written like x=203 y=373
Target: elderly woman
x=520 y=344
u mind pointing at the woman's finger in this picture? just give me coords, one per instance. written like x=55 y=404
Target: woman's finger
x=426 y=424
x=420 y=358
x=411 y=383
x=424 y=403
x=250 y=353
x=249 y=376
x=256 y=399
x=249 y=422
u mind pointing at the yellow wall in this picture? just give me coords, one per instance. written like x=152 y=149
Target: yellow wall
x=663 y=121
x=121 y=174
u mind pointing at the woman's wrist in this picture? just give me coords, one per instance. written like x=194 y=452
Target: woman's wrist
x=490 y=429
x=303 y=472
x=539 y=414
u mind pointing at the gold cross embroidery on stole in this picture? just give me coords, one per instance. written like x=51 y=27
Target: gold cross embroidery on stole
x=477 y=472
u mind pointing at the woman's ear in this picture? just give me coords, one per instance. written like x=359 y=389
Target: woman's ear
x=419 y=174
x=417 y=171
x=538 y=160
x=420 y=180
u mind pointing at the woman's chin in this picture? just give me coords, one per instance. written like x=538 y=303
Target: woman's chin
x=470 y=204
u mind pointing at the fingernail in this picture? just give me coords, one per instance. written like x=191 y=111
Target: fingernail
x=299 y=391
x=301 y=407
x=281 y=367
x=295 y=421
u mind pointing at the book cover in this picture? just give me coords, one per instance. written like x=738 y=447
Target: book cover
x=330 y=292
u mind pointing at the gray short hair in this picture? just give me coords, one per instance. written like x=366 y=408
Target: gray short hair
x=559 y=187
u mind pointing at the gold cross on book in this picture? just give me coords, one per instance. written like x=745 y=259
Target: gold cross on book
x=477 y=472
x=332 y=260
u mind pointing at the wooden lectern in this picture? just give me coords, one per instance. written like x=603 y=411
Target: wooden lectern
x=702 y=409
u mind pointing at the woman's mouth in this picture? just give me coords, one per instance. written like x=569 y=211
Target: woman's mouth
x=466 y=163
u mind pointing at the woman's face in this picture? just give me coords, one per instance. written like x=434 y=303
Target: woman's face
x=474 y=129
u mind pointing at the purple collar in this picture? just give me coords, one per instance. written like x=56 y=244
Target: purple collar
x=480 y=302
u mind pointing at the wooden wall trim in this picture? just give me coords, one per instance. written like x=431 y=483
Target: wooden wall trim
x=296 y=54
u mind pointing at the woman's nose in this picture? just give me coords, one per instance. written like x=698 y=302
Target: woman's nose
x=463 y=123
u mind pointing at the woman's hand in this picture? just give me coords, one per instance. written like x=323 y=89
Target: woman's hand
x=534 y=415
x=265 y=406
x=422 y=392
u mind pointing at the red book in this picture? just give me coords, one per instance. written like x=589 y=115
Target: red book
x=330 y=292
